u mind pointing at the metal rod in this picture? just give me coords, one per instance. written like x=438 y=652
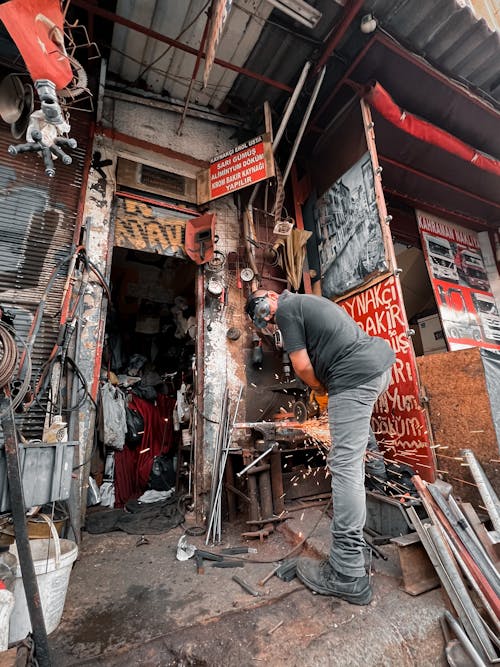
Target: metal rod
x=259 y=458
x=303 y=124
x=284 y=121
x=464 y=640
x=227 y=432
x=486 y=491
x=449 y=576
x=350 y=10
x=30 y=582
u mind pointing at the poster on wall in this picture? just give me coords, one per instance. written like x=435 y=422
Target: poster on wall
x=399 y=421
x=467 y=307
x=350 y=242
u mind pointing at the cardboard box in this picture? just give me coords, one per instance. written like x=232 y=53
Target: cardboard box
x=431 y=334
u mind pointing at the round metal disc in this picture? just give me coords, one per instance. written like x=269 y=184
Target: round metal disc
x=247 y=274
x=300 y=411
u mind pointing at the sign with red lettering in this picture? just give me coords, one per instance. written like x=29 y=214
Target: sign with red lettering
x=238 y=168
x=399 y=421
x=461 y=285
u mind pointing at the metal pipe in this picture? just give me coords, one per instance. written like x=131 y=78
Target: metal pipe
x=303 y=124
x=485 y=489
x=464 y=600
x=121 y=20
x=277 y=482
x=350 y=11
x=266 y=498
x=464 y=640
x=284 y=121
x=30 y=582
x=255 y=461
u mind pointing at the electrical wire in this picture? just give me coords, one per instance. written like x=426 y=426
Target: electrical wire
x=9 y=355
x=8 y=337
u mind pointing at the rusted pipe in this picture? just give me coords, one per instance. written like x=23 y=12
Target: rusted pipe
x=350 y=10
x=266 y=498
x=277 y=482
x=253 y=511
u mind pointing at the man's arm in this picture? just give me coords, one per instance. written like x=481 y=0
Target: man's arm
x=303 y=369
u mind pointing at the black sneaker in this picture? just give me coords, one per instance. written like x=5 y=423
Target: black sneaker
x=320 y=577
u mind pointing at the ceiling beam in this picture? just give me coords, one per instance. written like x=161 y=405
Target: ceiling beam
x=351 y=8
x=438 y=181
x=121 y=20
x=446 y=213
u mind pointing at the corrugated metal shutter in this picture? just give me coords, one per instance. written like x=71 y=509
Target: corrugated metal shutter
x=37 y=222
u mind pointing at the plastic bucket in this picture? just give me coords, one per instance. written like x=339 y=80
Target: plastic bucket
x=52 y=559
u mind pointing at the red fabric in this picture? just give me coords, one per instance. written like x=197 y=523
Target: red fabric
x=133 y=466
x=380 y=99
x=126 y=486
x=29 y=23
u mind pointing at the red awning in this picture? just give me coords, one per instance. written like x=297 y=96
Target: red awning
x=380 y=100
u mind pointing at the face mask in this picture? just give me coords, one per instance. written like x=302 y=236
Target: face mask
x=258 y=309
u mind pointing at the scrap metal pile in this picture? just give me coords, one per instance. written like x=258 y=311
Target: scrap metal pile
x=466 y=557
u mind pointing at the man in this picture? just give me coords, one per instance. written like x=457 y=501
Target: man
x=331 y=353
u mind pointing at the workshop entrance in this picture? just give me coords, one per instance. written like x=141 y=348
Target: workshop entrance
x=149 y=359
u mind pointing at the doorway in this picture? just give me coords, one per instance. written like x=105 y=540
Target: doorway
x=149 y=357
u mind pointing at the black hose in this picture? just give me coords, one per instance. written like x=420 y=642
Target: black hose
x=30 y=582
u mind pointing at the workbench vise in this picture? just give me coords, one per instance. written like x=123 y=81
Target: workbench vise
x=269 y=433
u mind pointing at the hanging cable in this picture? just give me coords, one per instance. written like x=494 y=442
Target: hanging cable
x=9 y=355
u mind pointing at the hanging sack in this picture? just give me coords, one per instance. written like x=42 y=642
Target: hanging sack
x=114 y=426
x=135 y=427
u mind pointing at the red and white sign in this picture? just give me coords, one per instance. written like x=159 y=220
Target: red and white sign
x=238 y=168
x=467 y=307
x=399 y=421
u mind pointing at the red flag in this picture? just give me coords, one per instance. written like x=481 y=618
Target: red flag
x=36 y=26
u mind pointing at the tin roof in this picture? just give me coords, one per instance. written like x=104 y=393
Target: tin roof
x=446 y=33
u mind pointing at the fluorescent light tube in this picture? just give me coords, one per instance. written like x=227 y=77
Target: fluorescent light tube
x=299 y=10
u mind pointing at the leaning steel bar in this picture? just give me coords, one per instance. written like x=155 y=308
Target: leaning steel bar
x=488 y=495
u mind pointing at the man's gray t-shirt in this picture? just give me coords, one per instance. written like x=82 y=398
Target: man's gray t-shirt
x=343 y=356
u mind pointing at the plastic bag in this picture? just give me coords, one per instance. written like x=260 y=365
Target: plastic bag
x=107 y=493
x=114 y=424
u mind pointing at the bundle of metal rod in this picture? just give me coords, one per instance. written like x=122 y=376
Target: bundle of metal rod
x=458 y=551
x=223 y=445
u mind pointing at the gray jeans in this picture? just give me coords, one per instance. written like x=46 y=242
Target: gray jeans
x=349 y=414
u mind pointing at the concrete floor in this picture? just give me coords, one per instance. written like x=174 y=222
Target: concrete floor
x=138 y=605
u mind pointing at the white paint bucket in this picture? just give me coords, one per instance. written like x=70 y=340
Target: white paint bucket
x=6 y=606
x=53 y=559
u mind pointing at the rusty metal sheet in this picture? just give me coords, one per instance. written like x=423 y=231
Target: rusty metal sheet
x=150 y=228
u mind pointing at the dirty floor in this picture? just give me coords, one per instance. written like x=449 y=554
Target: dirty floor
x=138 y=605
